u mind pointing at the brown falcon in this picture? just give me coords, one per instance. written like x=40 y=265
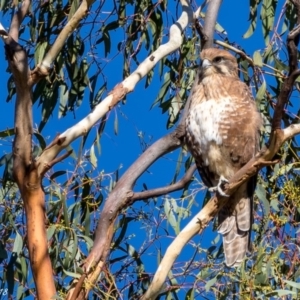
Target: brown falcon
x=222 y=133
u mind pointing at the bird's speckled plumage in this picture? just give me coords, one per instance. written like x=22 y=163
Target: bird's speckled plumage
x=223 y=135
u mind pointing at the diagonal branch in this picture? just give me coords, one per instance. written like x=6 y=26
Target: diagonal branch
x=164 y=190
x=43 y=69
x=119 y=92
x=122 y=192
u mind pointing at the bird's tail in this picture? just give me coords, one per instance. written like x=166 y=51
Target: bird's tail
x=235 y=226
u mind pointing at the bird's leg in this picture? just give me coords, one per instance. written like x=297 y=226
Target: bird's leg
x=220 y=187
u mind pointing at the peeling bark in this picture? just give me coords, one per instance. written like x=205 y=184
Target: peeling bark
x=25 y=170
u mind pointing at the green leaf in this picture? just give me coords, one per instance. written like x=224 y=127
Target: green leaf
x=73 y=246
x=63 y=99
x=72 y=274
x=65 y=210
x=50 y=99
x=174 y=109
x=190 y=295
x=74 y=7
x=292 y=283
x=5 y=5
x=88 y=240
x=149 y=78
x=280 y=293
x=253 y=18
x=220 y=29
x=93 y=81
x=261 y=93
x=123 y=224
x=11 y=88
x=98 y=95
x=262 y=195
x=163 y=90
x=210 y=283
x=50 y=231
x=7 y=132
x=267 y=15
x=169 y=211
x=257 y=59
x=18 y=244
x=93 y=158
x=107 y=43
x=131 y=251
x=20 y=292
x=40 y=51
x=41 y=140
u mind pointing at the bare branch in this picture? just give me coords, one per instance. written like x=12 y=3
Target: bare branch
x=17 y=20
x=24 y=169
x=120 y=90
x=288 y=83
x=210 y=22
x=26 y=175
x=296 y=3
x=56 y=160
x=291 y=131
x=122 y=192
x=236 y=50
x=78 y=293
x=73 y=23
x=17 y=59
x=166 y=189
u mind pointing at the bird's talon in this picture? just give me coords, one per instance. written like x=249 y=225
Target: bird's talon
x=221 y=186
x=213 y=189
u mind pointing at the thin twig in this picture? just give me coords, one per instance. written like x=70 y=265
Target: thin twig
x=166 y=189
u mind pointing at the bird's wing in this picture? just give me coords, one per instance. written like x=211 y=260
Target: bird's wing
x=242 y=144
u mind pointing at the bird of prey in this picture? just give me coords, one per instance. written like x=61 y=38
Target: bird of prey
x=222 y=134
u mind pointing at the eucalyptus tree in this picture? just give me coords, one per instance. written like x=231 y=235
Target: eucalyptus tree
x=60 y=59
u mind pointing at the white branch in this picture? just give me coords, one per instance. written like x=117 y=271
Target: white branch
x=291 y=131
x=197 y=224
x=64 y=34
x=120 y=90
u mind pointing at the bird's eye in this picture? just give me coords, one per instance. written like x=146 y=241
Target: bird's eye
x=218 y=59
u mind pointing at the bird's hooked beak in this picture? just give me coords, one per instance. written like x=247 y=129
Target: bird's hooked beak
x=205 y=63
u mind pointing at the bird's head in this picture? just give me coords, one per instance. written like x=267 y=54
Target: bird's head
x=217 y=62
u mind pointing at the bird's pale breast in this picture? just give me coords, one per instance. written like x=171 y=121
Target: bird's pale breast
x=207 y=129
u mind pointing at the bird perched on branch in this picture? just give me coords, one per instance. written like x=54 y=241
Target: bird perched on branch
x=222 y=133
